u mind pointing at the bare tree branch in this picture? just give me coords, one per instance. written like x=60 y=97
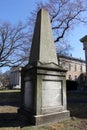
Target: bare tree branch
x=64 y=15
x=12 y=43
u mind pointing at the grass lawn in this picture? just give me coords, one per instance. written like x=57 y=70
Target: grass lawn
x=9 y=119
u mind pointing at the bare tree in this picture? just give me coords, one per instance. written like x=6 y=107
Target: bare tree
x=5 y=79
x=64 y=14
x=15 y=41
x=13 y=44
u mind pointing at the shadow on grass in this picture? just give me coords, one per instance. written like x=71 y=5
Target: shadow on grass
x=9 y=103
x=10 y=98
x=77 y=104
x=78 y=110
x=12 y=120
x=10 y=117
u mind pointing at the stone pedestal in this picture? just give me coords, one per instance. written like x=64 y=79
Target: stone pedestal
x=84 y=41
x=44 y=94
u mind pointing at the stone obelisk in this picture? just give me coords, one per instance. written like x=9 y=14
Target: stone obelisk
x=43 y=48
x=43 y=80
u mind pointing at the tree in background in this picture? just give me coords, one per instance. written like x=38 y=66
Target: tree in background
x=65 y=14
x=15 y=41
x=4 y=79
x=13 y=44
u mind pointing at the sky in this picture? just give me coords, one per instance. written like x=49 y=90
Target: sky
x=14 y=11
x=74 y=37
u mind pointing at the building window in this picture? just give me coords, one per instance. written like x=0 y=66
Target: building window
x=69 y=66
x=70 y=78
x=75 y=77
x=75 y=68
x=81 y=68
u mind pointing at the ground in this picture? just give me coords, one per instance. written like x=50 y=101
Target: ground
x=10 y=120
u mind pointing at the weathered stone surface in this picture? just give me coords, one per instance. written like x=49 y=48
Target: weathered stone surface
x=28 y=94
x=51 y=93
x=43 y=47
x=84 y=41
x=43 y=80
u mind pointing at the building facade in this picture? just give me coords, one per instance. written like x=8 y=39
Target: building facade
x=76 y=71
x=75 y=67
x=15 y=77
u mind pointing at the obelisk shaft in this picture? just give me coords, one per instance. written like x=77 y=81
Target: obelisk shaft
x=43 y=47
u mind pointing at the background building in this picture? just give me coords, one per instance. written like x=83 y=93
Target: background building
x=75 y=67
x=15 y=77
x=76 y=70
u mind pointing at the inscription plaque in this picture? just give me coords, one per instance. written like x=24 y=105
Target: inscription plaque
x=51 y=93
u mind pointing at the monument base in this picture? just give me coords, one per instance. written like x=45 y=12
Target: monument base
x=44 y=94
x=46 y=118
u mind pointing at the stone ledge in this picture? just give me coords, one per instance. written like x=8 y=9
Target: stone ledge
x=46 y=118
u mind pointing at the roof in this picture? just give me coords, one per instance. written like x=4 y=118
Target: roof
x=83 y=39
x=71 y=58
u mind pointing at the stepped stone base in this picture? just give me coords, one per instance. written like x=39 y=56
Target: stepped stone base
x=46 y=118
